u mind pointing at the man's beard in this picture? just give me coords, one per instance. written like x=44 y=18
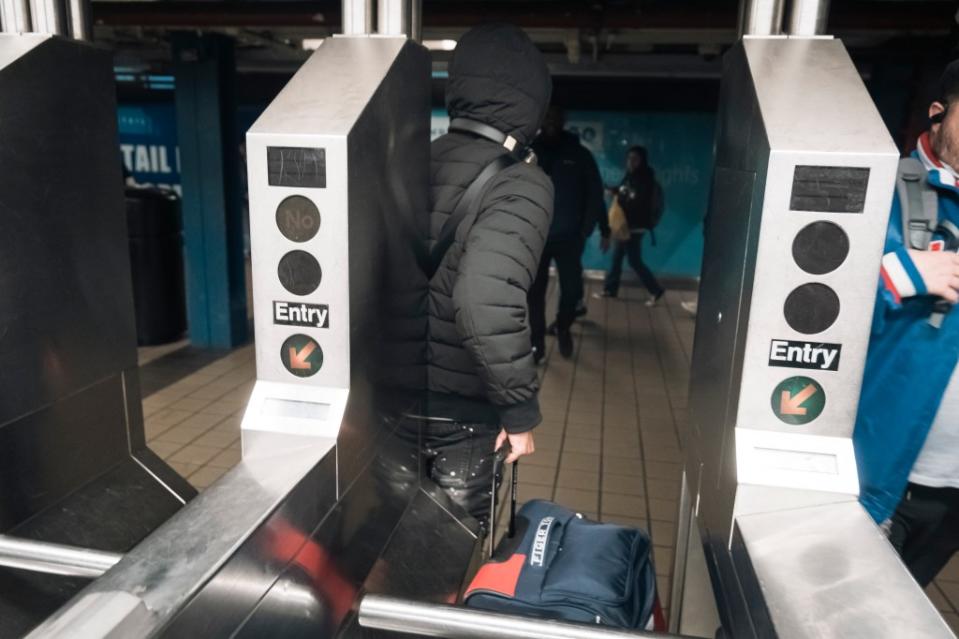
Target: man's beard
x=946 y=148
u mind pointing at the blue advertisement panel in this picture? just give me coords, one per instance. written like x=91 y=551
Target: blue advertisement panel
x=680 y=149
x=148 y=143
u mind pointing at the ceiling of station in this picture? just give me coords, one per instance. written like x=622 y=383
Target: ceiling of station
x=648 y=38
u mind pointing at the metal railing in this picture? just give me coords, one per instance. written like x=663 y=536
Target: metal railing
x=54 y=559
x=453 y=622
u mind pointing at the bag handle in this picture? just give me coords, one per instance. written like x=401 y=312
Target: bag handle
x=498 y=459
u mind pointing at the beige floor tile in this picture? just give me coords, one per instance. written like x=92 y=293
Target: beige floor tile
x=663 y=489
x=623 y=466
x=582 y=479
x=165 y=449
x=623 y=484
x=662 y=470
x=628 y=451
x=625 y=505
x=179 y=435
x=223 y=407
x=951 y=571
x=226 y=459
x=580 y=461
x=547 y=441
x=526 y=492
x=581 y=445
x=938 y=599
x=536 y=475
x=663 y=532
x=953 y=620
x=169 y=417
x=580 y=431
x=206 y=475
x=663 y=559
x=217 y=439
x=663 y=510
x=663 y=590
x=194 y=454
x=184 y=469
x=548 y=458
x=579 y=500
x=632 y=522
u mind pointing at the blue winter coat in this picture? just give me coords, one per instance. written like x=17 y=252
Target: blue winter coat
x=908 y=367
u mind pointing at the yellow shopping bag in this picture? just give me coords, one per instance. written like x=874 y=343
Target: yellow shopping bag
x=618 y=226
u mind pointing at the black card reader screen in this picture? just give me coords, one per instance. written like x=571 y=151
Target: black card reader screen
x=829 y=189
x=296 y=167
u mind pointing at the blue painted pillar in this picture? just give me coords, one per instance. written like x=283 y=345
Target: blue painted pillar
x=205 y=73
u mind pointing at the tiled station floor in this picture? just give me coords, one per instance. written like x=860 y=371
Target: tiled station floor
x=609 y=445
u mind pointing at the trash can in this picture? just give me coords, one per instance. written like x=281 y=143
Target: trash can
x=156 y=258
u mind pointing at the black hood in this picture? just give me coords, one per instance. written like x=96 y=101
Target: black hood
x=498 y=77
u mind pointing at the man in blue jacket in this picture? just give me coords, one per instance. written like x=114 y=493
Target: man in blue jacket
x=907 y=428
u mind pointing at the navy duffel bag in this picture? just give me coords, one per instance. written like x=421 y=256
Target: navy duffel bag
x=560 y=565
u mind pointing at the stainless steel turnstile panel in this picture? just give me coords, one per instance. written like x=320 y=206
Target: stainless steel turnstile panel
x=770 y=480
x=74 y=466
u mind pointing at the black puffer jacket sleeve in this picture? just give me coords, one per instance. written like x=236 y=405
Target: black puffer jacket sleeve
x=499 y=263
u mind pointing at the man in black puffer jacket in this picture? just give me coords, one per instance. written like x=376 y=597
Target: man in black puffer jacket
x=482 y=378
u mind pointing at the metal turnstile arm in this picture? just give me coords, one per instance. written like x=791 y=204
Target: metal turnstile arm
x=54 y=559
x=454 y=622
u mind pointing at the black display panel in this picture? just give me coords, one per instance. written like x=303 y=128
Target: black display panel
x=829 y=189
x=296 y=167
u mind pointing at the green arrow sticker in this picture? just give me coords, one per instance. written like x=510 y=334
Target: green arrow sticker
x=798 y=400
x=301 y=355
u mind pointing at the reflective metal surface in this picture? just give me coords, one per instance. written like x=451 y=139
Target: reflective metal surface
x=841 y=580
x=78 y=14
x=54 y=559
x=48 y=16
x=14 y=16
x=770 y=469
x=451 y=622
x=394 y=17
x=357 y=17
x=808 y=17
x=74 y=468
x=760 y=17
x=329 y=500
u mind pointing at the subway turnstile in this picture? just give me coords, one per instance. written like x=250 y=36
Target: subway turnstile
x=800 y=200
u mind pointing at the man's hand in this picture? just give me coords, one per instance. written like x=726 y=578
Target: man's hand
x=520 y=444
x=939 y=271
x=604 y=244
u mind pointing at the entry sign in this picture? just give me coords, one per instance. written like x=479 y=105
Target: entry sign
x=798 y=400
x=815 y=355
x=301 y=355
x=301 y=314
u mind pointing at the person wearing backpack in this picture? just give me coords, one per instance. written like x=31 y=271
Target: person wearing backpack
x=907 y=427
x=641 y=198
x=490 y=215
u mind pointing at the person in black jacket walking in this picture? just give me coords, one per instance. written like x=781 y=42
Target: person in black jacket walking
x=641 y=197
x=577 y=209
x=482 y=378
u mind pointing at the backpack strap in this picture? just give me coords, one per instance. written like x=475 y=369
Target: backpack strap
x=919 y=203
x=463 y=208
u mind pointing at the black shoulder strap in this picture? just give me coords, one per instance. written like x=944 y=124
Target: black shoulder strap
x=465 y=125
x=918 y=201
x=463 y=208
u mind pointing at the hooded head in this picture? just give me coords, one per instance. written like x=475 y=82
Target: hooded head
x=498 y=77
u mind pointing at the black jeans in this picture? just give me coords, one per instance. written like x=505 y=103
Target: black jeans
x=566 y=254
x=925 y=530
x=459 y=459
x=631 y=249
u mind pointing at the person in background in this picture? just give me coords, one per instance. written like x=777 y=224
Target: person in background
x=907 y=427
x=578 y=204
x=641 y=198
